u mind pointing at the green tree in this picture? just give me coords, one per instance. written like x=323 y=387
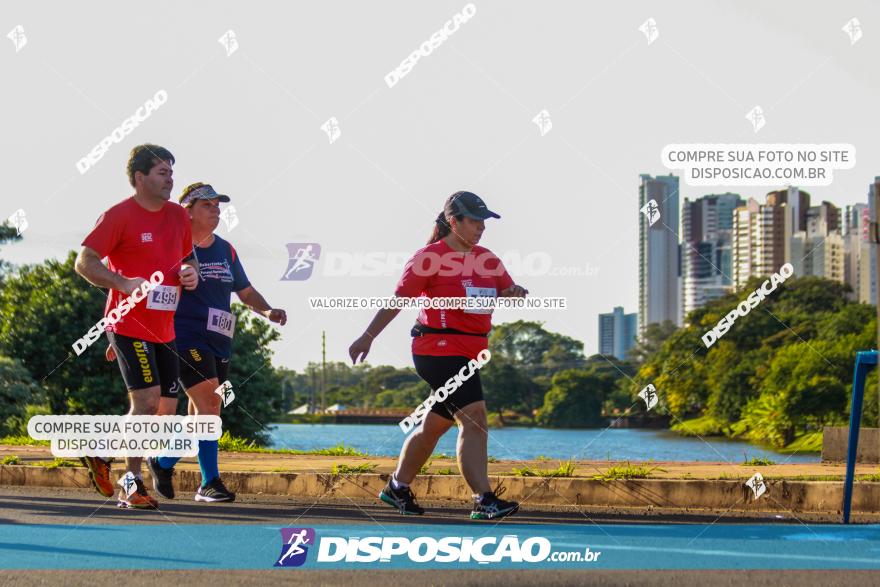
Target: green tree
x=8 y=233
x=729 y=379
x=407 y=397
x=538 y=352
x=651 y=341
x=17 y=391
x=46 y=308
x=506 y=387
x=573 y=401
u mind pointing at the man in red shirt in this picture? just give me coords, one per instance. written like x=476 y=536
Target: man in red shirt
x=446 y=345
x=139 y=236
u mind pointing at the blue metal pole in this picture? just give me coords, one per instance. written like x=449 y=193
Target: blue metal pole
x=865 y=361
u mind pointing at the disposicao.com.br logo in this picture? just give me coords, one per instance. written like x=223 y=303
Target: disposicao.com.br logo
x=509 y=548
x=304 y=257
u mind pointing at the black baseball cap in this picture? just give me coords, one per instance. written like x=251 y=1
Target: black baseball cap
x=200 y=191
x=468 y=204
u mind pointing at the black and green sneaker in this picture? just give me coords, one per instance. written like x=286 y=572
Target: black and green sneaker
x=402 y=499
x=490 y=507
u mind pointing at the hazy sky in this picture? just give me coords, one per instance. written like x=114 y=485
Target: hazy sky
x=250 y=124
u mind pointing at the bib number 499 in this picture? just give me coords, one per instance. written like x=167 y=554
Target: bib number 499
x=164 y=297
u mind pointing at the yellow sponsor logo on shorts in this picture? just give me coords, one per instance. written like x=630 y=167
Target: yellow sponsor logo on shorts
x=195 y=355
x=144 y=363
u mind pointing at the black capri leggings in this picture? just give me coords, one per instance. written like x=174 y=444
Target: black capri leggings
x=437 y=370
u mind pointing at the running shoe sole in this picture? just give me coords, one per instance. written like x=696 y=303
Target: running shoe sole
x=390 y=501
x=127 y=505
x=206 y=499
x=495 y=516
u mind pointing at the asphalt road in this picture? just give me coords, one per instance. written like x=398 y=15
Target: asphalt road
x=72 y=511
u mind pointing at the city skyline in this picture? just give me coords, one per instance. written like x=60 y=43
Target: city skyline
x=726 y=240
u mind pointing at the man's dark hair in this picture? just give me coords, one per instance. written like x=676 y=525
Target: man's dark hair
x=144 y=157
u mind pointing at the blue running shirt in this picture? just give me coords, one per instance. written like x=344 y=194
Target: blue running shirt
x=203 y=319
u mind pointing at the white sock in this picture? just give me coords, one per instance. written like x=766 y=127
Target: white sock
x=395 y=484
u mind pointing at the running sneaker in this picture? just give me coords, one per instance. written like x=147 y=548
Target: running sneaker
x=402 y=499
x=162 y=478
x=491 y=507
x=99 y=475
x=140 y=499
x=214 y=491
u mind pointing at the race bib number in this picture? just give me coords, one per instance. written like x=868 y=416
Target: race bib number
x=479 y=292
x=164 y=297
x=221 y=322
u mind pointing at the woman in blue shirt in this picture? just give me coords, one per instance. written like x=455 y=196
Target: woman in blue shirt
x=204 y=326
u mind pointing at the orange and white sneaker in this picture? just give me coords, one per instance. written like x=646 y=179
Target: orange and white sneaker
x=140 y=499
x=99 y=475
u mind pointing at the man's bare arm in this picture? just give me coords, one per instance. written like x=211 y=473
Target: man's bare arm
x=89 y=266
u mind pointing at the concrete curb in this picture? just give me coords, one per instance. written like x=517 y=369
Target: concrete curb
x=674 y=494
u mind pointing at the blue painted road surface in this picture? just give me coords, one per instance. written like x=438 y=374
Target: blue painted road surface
x=460 y=546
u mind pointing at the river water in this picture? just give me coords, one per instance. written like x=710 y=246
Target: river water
x=634 y=444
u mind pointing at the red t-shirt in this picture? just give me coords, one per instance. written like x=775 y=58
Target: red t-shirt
x=438 y=271
x=138 y=242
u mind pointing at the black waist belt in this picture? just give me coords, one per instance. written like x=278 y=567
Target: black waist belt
x=420 y=330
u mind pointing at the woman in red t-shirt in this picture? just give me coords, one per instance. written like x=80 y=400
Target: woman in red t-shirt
x=448 y=348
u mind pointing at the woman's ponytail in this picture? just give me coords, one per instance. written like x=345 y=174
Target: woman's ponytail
x=441 y=228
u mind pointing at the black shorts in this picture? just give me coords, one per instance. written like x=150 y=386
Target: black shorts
x=437 y=370
x=145 y=364
x=197 y=365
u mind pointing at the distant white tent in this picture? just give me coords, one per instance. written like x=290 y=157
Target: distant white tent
x=303 y=409
x=336 y=408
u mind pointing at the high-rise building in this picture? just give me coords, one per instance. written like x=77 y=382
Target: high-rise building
x=820 y=249
x=659 y=252
x=707 y=247
x=821 y=256
x=855 y=240
x=823 y=219
x=759 y=239
x=868 y=281
x=617 y=332
x=797 y=204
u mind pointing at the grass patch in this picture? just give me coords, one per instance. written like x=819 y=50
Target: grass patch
x=759 y=462
x=807 y=442
x=442 y=455
x=565 y=469
x=19 y=440
x=424 y=469
x=702 y=426
x=869 y=478
x=10 y=460
x=352 y=469
x=446 y=471
x=491 y=459
x=626 y=472
x=732 y=477
x=57 y=463
x=229 y=443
